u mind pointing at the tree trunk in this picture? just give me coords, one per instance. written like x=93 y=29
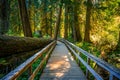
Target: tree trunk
x=4 y=16
x=51 y=21
x=58 y=22
x=13 y=45
x=31 y=13
x=76 y=21
x=118 y=45
x=25 y=19
x=87 y=25
x=73 y=26
x=66 y=22
x=44 y=18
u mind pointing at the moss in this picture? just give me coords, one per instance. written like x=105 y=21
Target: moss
x=11 y=45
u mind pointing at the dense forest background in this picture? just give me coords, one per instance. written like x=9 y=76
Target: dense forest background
x=92 y=24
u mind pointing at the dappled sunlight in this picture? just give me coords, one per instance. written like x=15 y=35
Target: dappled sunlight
x=66 y=59
x=71 y=58
x=59 y=63
x=59 y=74
x=61 y=66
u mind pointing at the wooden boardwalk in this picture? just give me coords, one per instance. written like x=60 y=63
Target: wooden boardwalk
x=61 y=66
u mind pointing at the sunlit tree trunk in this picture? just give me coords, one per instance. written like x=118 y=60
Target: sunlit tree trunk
x=118 y=45
x=25 y=19
x=31 y=14
x=58 y=22
x=66 y=22
x=87 y=25
x=44 y=24
x=4 y=16
x=119 y=38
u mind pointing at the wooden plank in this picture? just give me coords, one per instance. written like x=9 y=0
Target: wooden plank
x=61 y=66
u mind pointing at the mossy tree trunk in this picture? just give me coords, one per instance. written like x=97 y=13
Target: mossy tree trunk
x=14 y=45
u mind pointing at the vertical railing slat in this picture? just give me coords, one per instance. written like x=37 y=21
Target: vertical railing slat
x=87 y=71
x=29 y=70
x=111 y=77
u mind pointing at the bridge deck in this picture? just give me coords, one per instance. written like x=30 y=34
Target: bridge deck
x=61 y=66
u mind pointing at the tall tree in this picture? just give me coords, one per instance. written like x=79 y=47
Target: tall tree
x=25 y=19
x=87 y=25
x=58 y=21
x=73 y=23
x=44 y=23
x=118 y=45
x=118 y=13
x=66 y=22
x=31 y=12
x=50 y=23
x=4 y=16
x=76 y=21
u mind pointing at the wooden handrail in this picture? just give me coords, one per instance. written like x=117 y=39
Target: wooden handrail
x=96 y=75
x=28 y=63
x=42 y=62
x=111 y=69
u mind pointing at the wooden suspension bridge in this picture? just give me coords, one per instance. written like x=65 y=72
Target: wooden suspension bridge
x=62 y=61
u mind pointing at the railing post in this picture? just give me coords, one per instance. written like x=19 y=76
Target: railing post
x=79 y=60
x=29 y=71
x=87 y=71
x=111 y=77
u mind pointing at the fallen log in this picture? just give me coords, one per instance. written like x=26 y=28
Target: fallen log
x=13 y=45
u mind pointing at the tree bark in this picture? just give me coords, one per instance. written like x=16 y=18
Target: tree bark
x=51 y=21
x=25 y=19
x=10 y=45
x=4 y=16
x=58 y=22
x=118 y=44
x=73 y=26
x=44 y=25
x=31 y=13
x=87 y=25
x=76 y=21
x=66 y=22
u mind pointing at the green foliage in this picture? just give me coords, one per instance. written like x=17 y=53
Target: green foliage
x=89 y=48
x=70 y=38
x=25 y=76
x=37 y=35
x=2 y=61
